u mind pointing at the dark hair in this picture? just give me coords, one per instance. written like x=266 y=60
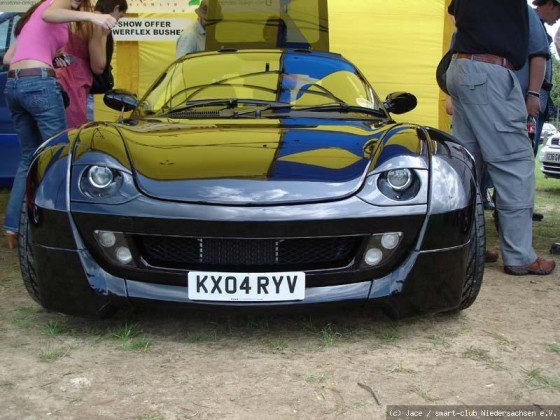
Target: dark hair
x=543 y=2
x=23 y=20
x=107 y=6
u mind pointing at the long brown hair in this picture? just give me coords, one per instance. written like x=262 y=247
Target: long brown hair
x=83 y=29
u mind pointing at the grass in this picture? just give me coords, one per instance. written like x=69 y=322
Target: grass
x=24 y=317
x=278 y=344
x=537 y=379
x=203 y=337
x=258 y=323
x=389 y=334
x=399 y=368
x=481 y=355
x=501 y=340
x=423 y=393
x=438 y=340
x=554 y=348
x=329 y=335
x=50 y=354
x=320 y=380
x=129 y=336
x=55 y=328
x=545 y=232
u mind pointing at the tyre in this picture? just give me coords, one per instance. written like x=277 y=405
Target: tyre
x=475 y=264
x=73 y=298
x=26 y=260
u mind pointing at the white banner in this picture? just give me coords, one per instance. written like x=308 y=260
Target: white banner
x=139 y=29
x=16 y=5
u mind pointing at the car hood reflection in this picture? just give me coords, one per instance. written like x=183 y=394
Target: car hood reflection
x=254 y=164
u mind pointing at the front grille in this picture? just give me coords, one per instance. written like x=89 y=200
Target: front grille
x=551 y=166
x=240 y=254
x=554 y=141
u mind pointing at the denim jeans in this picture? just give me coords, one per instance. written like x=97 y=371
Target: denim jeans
x=37 y=109
x=90 y=107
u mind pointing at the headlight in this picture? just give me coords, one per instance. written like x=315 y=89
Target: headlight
x=396 y=186
x=399 y=184
x=100 y=181
x=100 y=177
x=399 y=179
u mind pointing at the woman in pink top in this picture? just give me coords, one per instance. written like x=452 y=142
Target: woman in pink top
x=32 y=93
x=87 y=44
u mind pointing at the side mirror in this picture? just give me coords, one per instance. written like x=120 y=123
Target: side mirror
x=400 y=102
x=120 y=100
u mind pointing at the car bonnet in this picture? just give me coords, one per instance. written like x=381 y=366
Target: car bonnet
x=250 y=163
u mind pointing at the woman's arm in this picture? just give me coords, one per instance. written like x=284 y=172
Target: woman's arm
x=98 y=50
x=60 y=11
x=9 y=54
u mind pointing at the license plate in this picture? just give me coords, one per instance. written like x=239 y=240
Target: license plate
x=247 y=287
x=553 y=157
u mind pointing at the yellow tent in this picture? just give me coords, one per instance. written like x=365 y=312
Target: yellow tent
x=397 y=44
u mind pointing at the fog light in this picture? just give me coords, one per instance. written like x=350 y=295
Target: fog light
x=123 y=255
x=106 y=239
x=373 y=256
x=390 y=240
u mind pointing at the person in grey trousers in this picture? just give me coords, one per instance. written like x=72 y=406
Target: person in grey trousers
x=490 y=117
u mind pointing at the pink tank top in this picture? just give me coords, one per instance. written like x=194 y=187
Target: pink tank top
x=39 y=40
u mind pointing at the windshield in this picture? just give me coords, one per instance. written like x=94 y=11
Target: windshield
x=297 y=79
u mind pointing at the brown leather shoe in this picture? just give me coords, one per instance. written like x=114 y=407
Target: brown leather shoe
x=540 y=267
x=491 y=256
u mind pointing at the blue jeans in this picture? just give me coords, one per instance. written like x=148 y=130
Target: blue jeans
x=37 y=109
x=90 y=106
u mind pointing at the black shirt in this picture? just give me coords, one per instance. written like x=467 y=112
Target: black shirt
x=499 y=27
x=100 y=81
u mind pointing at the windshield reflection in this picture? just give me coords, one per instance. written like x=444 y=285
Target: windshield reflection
x=288 y=77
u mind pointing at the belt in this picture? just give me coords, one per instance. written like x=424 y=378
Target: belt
x=486 y=58
x=37 y=71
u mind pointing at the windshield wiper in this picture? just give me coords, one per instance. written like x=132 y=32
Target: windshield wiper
x=226 y=112
x=228 y=103
x=342 y=107
x=258 y=110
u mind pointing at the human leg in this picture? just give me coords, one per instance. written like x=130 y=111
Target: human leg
x=489 y=100
x=485 y=187
x=90 y=106
x=37 y=113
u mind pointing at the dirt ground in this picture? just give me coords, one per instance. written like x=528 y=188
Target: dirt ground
x=505 y=349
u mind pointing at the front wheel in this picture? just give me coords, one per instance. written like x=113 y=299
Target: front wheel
x=66 y=295
x=26 y=260
x=477 y=250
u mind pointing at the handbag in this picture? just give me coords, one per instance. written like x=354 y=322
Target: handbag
x=441 y=70
x=103 y=82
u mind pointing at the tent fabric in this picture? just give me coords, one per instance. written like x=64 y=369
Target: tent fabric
x=396 y=44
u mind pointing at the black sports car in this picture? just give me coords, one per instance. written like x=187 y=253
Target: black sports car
x=256 y=178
